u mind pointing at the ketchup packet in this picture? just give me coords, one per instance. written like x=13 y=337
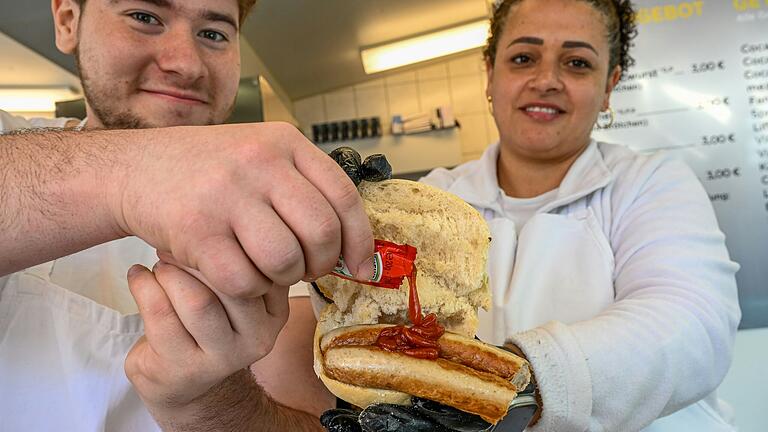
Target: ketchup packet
x=391 y=263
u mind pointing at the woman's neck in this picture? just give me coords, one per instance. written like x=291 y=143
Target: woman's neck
x=523 y=177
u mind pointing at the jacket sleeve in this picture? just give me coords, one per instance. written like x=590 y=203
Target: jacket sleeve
x=10 y=122
x=666 y=341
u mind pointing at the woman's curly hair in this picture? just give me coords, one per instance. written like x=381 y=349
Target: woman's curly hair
x=621 y=29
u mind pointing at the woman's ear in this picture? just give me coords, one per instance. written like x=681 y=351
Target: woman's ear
x=489 y=72
x=613 y=79
x=66 y=21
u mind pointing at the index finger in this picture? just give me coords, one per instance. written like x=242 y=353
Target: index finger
x=341 y=193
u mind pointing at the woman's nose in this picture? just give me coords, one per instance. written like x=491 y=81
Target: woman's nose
x=547 y=78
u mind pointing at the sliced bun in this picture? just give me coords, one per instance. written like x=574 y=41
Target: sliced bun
x=356 y=395
x=452 y=240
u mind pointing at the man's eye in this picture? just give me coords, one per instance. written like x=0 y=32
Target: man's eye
x=213 y=35
x=145 y=18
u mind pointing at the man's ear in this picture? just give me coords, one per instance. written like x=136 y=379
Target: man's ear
x=613 y=79
x=66 y=21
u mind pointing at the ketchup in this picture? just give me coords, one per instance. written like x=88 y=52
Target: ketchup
x=420 y=339
x=393 y=263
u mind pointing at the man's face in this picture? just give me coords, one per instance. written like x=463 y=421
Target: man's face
x=158 y=63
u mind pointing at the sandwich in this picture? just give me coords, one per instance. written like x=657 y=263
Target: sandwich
x=377 y=345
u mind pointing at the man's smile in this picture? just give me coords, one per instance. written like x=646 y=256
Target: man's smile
x=177 y=96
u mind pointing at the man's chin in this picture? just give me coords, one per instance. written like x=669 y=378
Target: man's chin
x=175 y=118
x=130 y=121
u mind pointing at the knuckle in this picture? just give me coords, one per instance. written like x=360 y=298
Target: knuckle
x=200 y=303
x=347 y=197
x=285 y=267
x=327 y=230
x=160 y=311
x=242 y=287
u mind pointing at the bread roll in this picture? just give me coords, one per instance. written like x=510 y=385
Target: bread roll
x=452 y=240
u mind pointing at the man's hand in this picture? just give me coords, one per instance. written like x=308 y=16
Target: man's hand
x=248 y=206
x=192 y=342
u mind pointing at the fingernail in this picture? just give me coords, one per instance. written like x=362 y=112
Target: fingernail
x=134 y=270
x=365 y=271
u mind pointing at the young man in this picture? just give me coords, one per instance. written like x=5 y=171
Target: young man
x=236 y=214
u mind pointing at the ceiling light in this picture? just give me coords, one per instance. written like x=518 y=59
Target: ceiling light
x=34 y=99
x=426 y=47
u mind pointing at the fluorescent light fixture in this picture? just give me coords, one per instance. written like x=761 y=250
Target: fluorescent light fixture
x=34 y=99
x=426 y=47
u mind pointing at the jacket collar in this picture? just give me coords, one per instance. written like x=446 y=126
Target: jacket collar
x=479 y=185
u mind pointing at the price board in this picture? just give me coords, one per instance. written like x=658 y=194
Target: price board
x=699 y=89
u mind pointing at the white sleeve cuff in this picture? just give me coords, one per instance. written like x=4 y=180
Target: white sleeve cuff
x=562 y=376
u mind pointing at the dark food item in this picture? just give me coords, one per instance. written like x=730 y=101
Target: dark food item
x=340 y=420
x=424 y=415
x=396 y=418
x=349 y=160
x=376 y=168
x=449 y=417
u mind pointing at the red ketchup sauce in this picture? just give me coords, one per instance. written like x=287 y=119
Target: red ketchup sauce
x=393 y=263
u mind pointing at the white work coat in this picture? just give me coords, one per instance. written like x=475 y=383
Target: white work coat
x=66 y=327
x=620 y=291
x=65 y=330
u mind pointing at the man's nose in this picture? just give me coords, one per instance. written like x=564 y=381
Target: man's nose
x=180 y=55
x=547 y=77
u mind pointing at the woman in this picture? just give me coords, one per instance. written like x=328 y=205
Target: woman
x=607 y=268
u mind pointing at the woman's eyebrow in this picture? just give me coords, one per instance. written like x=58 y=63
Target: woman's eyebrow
x=527 y=40
x=539 y=41
x=580 y=44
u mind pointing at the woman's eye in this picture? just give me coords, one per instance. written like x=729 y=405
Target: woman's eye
x=580 y=64
x=145 y=18
x=521 y=59
x=213 y=35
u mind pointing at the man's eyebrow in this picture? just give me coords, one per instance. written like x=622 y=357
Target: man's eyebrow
x=580 y=44
x=527 y=40
x=205 y=14
x=167 y=4
x=210 y=15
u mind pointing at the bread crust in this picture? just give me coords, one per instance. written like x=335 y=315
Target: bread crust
x=481 y=393
x=470 y=375
x=452 y=240
x=471 y=353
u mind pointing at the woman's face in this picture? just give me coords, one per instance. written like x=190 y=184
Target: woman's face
x=550 y=79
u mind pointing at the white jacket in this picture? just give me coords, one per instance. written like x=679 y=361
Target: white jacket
x=66 y=327
x=620 y=291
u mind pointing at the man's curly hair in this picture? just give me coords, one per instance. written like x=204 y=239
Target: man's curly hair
x=244 y=7
x=621 y=29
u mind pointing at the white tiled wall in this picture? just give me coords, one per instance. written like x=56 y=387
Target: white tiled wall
x=458 y=82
